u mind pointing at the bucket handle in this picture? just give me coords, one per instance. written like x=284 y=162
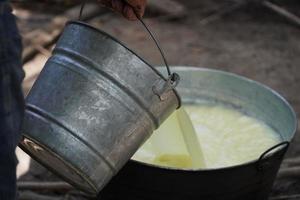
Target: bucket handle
x=173 y=78
x=260 y=164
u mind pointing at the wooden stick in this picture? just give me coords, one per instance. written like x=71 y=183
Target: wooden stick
x=289 y=172
x=217 y=15
x=42 y=50
x=286 y=197
x=33 y=196
x=57 y=186
x=292 y=161
x=168 y=7
x=47 y=35
x=283 y=12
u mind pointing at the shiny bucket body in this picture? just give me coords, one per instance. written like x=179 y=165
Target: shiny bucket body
x=92 y=106
x=249 y=181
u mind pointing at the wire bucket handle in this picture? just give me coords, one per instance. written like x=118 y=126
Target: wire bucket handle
x=173 y=78
x=260 y=164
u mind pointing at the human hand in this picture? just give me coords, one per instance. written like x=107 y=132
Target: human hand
x=130 y=9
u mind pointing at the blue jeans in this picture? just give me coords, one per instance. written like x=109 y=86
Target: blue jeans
x=11 y=101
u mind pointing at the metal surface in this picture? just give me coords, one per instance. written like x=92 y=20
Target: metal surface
x=92 y=107
x=248 y=181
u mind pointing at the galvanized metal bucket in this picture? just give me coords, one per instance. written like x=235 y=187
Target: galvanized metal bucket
x=248 y=181
x=93 y=105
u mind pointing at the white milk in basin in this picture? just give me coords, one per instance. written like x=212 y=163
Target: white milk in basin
x=226 y=136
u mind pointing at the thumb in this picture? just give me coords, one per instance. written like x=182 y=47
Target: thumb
x=138 y=6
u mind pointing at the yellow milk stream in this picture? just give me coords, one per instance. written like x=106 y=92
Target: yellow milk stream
x=174 y=144
x=190 y=138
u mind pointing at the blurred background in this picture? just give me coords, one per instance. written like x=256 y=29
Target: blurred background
x=253 y=38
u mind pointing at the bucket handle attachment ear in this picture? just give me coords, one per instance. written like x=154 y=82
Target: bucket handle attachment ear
x=161 y=88
x=173 y=78
x=260 y=164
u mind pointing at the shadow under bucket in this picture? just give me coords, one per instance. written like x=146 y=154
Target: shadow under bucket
x=249 y=181
x=94 y=103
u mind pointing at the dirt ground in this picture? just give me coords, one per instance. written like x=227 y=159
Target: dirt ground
x=250 y=40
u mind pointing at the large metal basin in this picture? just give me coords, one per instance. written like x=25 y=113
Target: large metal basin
x=249 y=181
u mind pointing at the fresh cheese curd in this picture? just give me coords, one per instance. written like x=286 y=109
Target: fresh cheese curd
x=226 y=136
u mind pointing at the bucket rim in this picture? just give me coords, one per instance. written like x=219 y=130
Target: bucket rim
x=92 y=189
x=241 y=77
x=80 y=23
x=179 y=68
